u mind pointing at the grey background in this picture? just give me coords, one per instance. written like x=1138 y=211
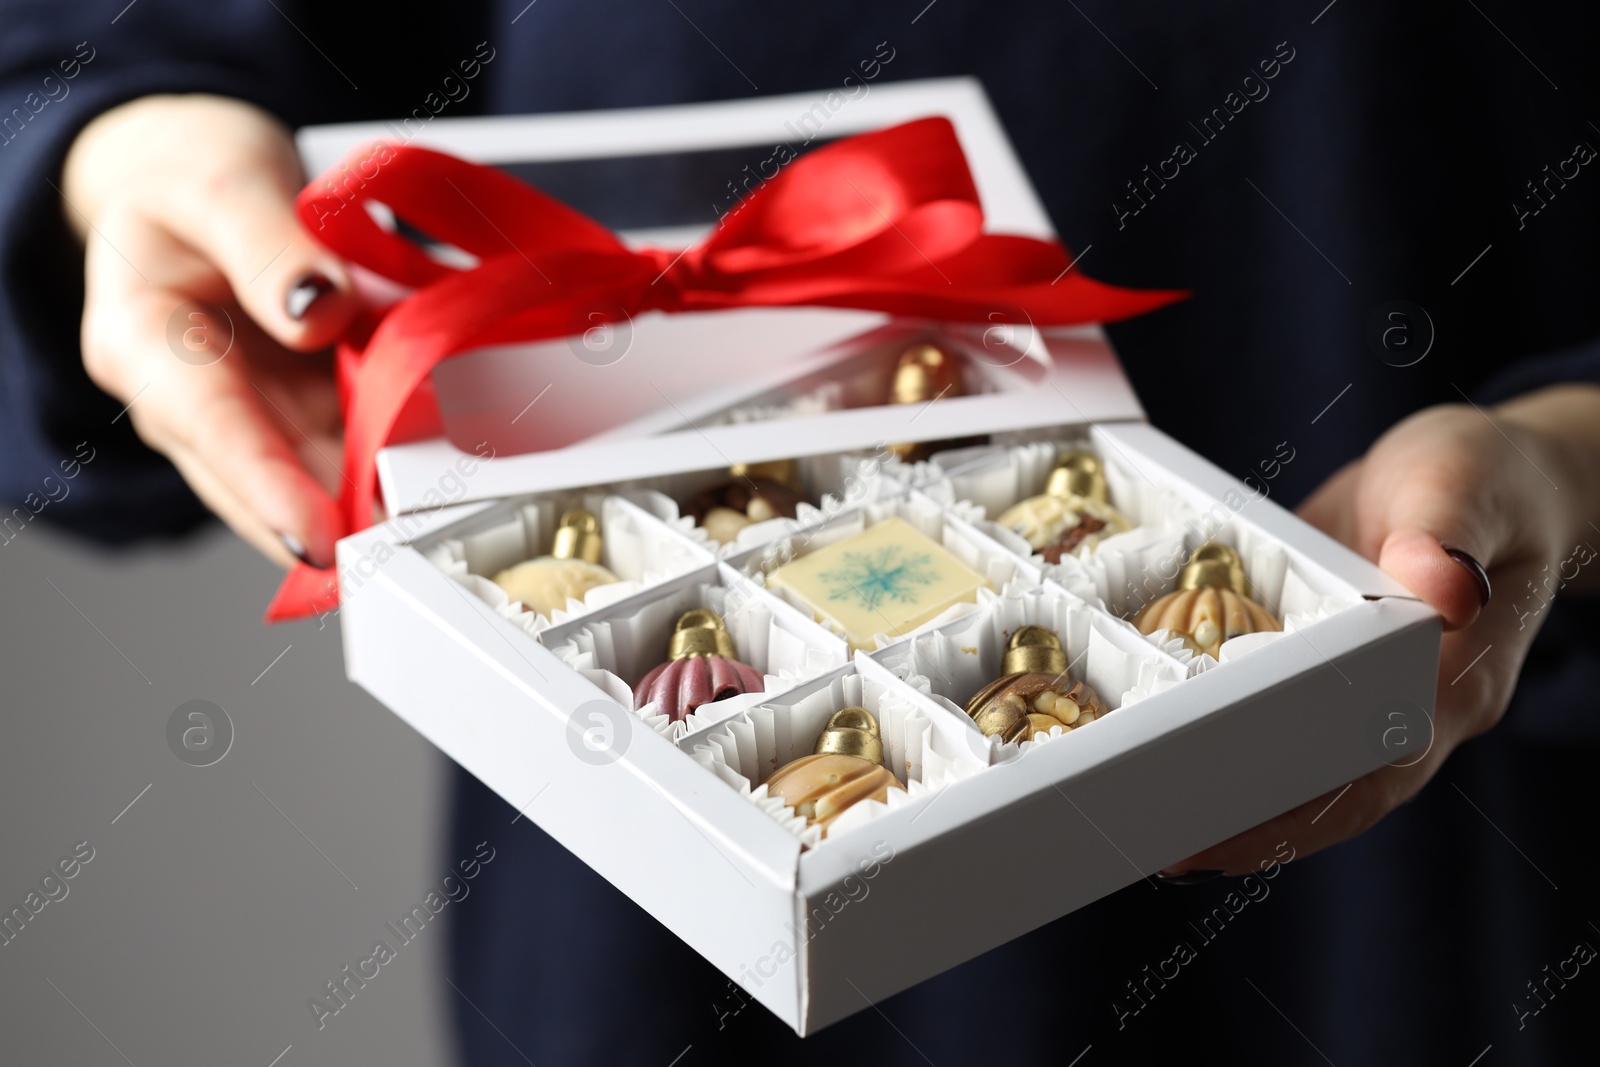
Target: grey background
x=205 y=920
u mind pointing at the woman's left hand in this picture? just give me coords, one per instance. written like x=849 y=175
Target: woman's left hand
x=1450 y=501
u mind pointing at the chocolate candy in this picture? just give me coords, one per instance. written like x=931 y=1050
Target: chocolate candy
x=1074 y=537
x=924 y=373
x=846 y=768
x=572 y=568
x=1211 y=604
x=700 y=668
x=756 y=493
x=888 y=579
x=1073 y=511
x=1034 y=692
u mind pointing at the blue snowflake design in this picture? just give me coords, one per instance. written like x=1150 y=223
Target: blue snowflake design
x=868 y=579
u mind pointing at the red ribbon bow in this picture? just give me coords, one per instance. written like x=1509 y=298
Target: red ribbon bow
x=887 y=221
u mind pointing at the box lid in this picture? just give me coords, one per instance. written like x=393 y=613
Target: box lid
x=564 y=413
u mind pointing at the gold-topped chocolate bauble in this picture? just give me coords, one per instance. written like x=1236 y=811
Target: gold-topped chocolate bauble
x=755 y=492
x=572 y=568
x=923 y=372
x=782 y=471
x=1073 y=511
x=700 y=632
x=846 y=768
x=1033 y=649
x=1079 y=473
x=700 y=668
x=1214 y=565
x=1033 y=693
x=852 y=731
x=1211 y=604
x=577 y=537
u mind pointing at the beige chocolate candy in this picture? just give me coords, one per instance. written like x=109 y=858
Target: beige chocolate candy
x=722 y=525
x=1075 y=491
x=546 y=584
x=572 y=568
x=1211 y=604
x=1042 y=520
x=846 y=768
x=1206 y=617
x=820 y=788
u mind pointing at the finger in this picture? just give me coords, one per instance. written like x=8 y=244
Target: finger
x=222 y=420
x=1479 y=665
x=209 y=411
x=1433 y=523
x=244 y=222
x=1449 y=579
x=304 y=405
x=1424 y=552
x=229 y=508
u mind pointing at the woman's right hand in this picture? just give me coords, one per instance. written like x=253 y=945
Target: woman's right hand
x=208 y=310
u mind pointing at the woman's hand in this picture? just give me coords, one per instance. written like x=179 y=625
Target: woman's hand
x=203 y=301
x=1514 y=489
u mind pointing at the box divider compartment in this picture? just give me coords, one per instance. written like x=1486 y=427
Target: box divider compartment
x=1072 y=822
x=1326 y=563
x=623 y=656
x=511 y=714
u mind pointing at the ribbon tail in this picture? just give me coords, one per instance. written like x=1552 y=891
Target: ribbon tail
x=305 y=592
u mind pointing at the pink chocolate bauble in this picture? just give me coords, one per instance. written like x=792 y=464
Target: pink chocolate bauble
x=682 y=685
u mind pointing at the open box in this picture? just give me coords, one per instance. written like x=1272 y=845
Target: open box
x=1195 y=750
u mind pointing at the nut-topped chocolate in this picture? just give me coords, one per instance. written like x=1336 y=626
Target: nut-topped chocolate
x=1211 y=604
x=755 y=492
x=1034 y=692
x=845 y=768
x=1074 y=510
x=700 y=668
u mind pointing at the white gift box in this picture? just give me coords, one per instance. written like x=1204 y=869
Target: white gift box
x=539 y=709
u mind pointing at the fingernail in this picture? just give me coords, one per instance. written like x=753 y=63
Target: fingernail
x=1187 y=877
x=1474 y=568
x=307 y=291
x=297 y=549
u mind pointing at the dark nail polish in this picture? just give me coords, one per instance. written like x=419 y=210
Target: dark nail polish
x=1188 y=877
x=1475 y=569
x=297 y=549
x=307 y=291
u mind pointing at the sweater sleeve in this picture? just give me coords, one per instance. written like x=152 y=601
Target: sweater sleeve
x=1578 y=363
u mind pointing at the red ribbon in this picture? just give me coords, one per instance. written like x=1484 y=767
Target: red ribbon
x=887 y=221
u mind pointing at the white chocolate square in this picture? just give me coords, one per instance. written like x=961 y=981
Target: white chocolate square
x=888 y=579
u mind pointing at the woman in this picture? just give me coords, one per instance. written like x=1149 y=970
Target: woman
x=1330 y=164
